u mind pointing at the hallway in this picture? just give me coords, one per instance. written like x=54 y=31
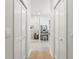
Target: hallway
x=39 y=29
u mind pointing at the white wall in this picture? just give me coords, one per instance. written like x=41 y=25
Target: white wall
x=9 y=29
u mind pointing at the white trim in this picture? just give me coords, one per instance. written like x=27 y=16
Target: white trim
x=23 y=3
x=58 y=3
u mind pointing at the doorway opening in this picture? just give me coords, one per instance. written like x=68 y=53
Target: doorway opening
x=40 y=29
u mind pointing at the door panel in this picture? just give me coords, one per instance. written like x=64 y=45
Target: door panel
x=19 y=30
x=60 y=30
x=56 y=33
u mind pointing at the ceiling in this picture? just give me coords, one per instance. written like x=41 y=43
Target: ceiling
x=40 y=6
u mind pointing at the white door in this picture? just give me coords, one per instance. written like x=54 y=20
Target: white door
x=19 y=30
x=60 y=30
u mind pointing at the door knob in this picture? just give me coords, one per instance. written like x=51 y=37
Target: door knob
x=61 y=39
